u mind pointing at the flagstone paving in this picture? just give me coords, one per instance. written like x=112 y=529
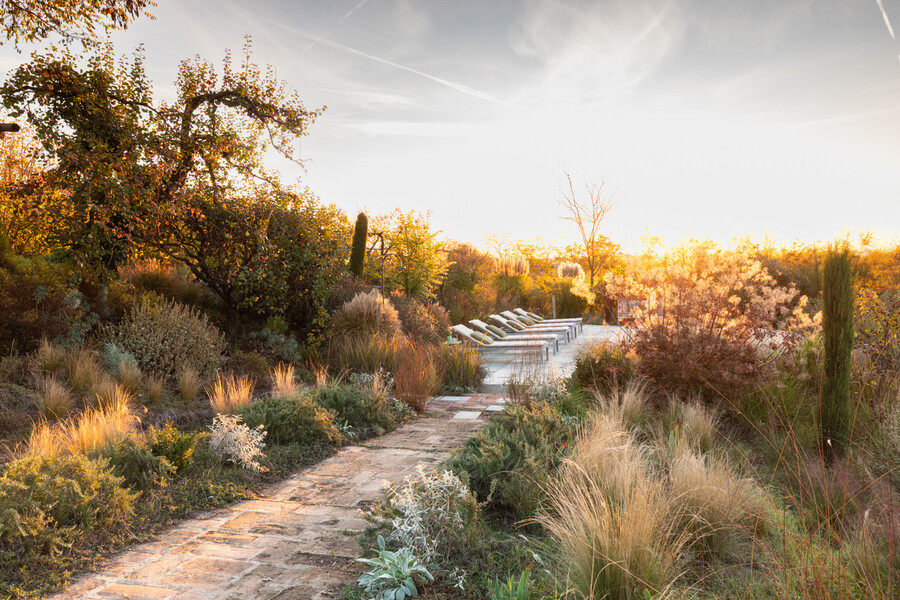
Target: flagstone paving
x=292 y=543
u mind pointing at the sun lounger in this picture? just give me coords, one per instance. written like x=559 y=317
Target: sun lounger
x=498 y=335
x=530 y=321
x=538 y=318
x=519 y=325
x=487 y=344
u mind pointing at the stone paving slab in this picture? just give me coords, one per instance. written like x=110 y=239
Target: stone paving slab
x=292 y=543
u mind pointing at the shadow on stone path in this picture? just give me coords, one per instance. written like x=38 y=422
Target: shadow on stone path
x=290 y=544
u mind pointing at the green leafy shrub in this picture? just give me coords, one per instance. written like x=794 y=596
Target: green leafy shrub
x=293 y=420
x=509 y=461
x=43 y=500
x=367 y=314
x=139 y=467
x=359 y=407
x=114 y=358
x=165 y=337
x=175 y=446
x=602 y=367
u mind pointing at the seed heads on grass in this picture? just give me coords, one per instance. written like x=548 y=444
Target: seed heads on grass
x=92 y=430
x=84 y=371
x=154 y=386
x=189 y=384
x=227 y=395
x=49 y=358
x=130 y=377
x=54 y=398
x=283 y=382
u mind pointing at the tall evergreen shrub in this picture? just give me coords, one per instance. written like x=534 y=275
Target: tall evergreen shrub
x=358 y=250
x=837 y=327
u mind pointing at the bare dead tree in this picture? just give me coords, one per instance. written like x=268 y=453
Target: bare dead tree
x=587 y=213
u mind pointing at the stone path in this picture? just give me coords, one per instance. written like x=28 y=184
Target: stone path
x=292 y=543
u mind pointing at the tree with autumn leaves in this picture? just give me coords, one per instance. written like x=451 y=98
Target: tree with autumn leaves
x=182 y=178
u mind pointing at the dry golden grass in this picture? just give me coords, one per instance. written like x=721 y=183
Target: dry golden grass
x=189 y=384
x=105 y=392
x=610 y=517
x=84 y=371
x=54 y=399
x=227 y=395
x=92 y=430
x=283 y=382
x=129 y=377
x=101 y=426
x=154 y=386
x=50 y=359
x=714 y=507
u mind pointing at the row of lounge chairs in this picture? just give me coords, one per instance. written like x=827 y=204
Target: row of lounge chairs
x=519 y=331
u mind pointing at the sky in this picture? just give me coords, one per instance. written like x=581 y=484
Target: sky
x=703 y=118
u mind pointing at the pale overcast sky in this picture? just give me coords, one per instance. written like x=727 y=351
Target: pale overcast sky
x=707 y=118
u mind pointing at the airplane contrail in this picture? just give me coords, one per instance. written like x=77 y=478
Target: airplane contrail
x=327 y=31
x=886 y=20
x=450 y=84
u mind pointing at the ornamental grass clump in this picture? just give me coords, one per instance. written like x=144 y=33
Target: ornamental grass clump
x=366 y=315
x=228 y=395
x=415 y=376
x=283 y=381
x=165 y=337
x=611 y=518
x=54 y=399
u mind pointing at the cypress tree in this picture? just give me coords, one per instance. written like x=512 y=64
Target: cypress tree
x=837 y=327
x=358 y=250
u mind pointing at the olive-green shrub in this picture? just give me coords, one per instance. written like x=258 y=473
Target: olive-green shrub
x=166 y=337
x=509 y=461
x=46 y=501
x=297 y=419
x=362 y=408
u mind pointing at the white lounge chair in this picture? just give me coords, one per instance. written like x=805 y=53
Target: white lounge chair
x=539 y=319
x=485 y=343
x=515 y=322
x=499 y=335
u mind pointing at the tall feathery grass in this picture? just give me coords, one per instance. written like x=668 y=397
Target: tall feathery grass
x=95 y=428
x=189 y=384
x=54 y=399
x=228 y=395
x=283 y=380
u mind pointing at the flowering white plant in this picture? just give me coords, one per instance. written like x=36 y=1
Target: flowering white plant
x=233 y=440
x=428 y=506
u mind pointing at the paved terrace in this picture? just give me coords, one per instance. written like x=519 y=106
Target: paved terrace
x=561 y=364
